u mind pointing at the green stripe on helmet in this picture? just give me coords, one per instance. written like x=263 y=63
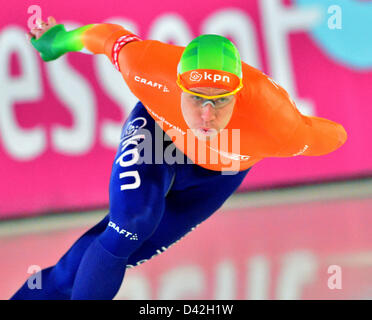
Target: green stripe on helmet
x=210 y=51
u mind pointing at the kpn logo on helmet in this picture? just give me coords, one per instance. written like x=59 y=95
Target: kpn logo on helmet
x=209 y=78
x=214 y=77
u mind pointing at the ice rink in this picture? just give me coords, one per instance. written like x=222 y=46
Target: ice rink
x=309 y=242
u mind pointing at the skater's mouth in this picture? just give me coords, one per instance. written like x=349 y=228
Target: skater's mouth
x=207 y=131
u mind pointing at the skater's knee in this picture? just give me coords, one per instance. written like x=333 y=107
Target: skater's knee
x=123 y=236
x=119 y=241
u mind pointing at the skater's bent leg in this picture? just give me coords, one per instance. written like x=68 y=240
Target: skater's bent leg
x=137 y=192
x=102 y=268
x=66 y=268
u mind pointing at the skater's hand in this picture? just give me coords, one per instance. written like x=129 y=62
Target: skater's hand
x=41 y=28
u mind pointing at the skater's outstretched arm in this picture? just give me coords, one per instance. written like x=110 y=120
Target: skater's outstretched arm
x=52 y=40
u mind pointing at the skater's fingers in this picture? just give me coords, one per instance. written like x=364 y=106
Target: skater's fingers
x=42 y=27
x=40 y=23
x=52 y=21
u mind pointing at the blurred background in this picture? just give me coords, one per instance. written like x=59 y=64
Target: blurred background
x=298 y=228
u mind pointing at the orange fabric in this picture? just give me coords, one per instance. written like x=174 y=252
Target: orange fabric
x=101 y=37
x=270 y=124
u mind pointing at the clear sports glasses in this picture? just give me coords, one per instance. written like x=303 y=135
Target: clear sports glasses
x=216 y=103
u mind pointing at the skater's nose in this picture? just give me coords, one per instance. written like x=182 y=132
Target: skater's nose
x=208 y=113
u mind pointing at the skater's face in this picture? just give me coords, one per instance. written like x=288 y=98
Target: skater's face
x=207 y=117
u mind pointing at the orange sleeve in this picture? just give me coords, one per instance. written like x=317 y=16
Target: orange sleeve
x=101 y=37
x=300 y=134
x=287 y=131
x=315 y=136
x=148 y=67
